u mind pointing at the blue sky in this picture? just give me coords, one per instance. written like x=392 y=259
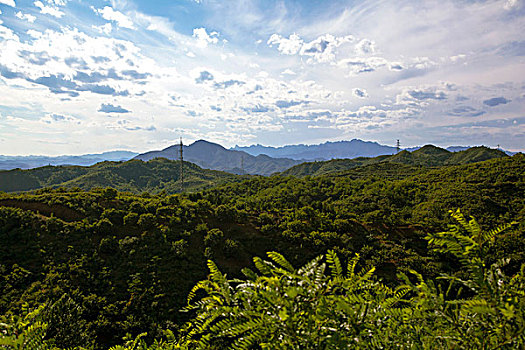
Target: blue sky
x=90 y=76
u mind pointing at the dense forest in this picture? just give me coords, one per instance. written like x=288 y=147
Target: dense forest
x=163 y=175
x=426 y=156
x=94 y=267
x=154 y=176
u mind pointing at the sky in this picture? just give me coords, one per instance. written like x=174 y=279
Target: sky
x=81 y=76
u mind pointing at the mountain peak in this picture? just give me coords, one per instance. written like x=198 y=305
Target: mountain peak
x=203 y=143
x=431 y=149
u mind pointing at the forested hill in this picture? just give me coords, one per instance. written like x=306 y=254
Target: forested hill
x=109 y=263
x=427 y=156
x=210 y=155
x=160 y=174
x=134 y=176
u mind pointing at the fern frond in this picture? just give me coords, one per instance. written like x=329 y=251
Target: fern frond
x=350 y=271
x=215 y=274
x=308 y=268
x=335 y=264
x=200 y=285
x=480 y=306
x=281 y=260
x=458 y=215
x=488 y=236
x=398 y=295
x=263 y=266
x=252 y=276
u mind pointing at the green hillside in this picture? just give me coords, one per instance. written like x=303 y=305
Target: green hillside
x=427 y=156
x=132 y=176
x=108 y=263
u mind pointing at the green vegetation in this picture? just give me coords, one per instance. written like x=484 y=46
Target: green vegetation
x=280 y=307
x=134 y=176
x=101 y=265
x=427 y=156
x=162 y=175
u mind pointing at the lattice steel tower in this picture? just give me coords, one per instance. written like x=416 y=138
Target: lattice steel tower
x=181 y=168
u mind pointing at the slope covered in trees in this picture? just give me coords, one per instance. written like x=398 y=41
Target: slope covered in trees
x=133 y=176
x=427 y=156
x=160 y=174
x=110 y=263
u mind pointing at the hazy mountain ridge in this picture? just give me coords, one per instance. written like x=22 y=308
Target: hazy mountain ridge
x=325 y=151
x=255 y=159
x=30 y=162
x=214 y=156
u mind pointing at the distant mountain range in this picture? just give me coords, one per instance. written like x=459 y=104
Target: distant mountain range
x=131 y=176
x=334 y=150
x=160 y=174
x=426 y=156
x=255 y=159
x=325 y=151
x=29 y=162
x=213 y=156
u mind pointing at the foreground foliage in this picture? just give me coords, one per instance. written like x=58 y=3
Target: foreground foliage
x=325 y=306
x=279 y=307
x=109 y=263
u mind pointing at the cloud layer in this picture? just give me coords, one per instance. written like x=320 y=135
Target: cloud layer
x=101 y=76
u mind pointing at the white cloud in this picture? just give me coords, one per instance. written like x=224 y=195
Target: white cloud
x=395 y=66
x=512 y=4
x=322 y=49
x=51 y=118
x=423 y=63
x=109 y=14
x=359 y=65
x=7 y=34
x=365 y=47
x=34 y=33
x=58 y=2
x=8 y=2
x=203 y=38
x=26 y=16
x=289 y=46
x=104 y=29
x=49 y=10
x=406 y=51
x=420 y=96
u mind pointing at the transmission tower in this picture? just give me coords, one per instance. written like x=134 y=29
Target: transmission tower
x=242 y=165
x=181 y=168
x=398 y=146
